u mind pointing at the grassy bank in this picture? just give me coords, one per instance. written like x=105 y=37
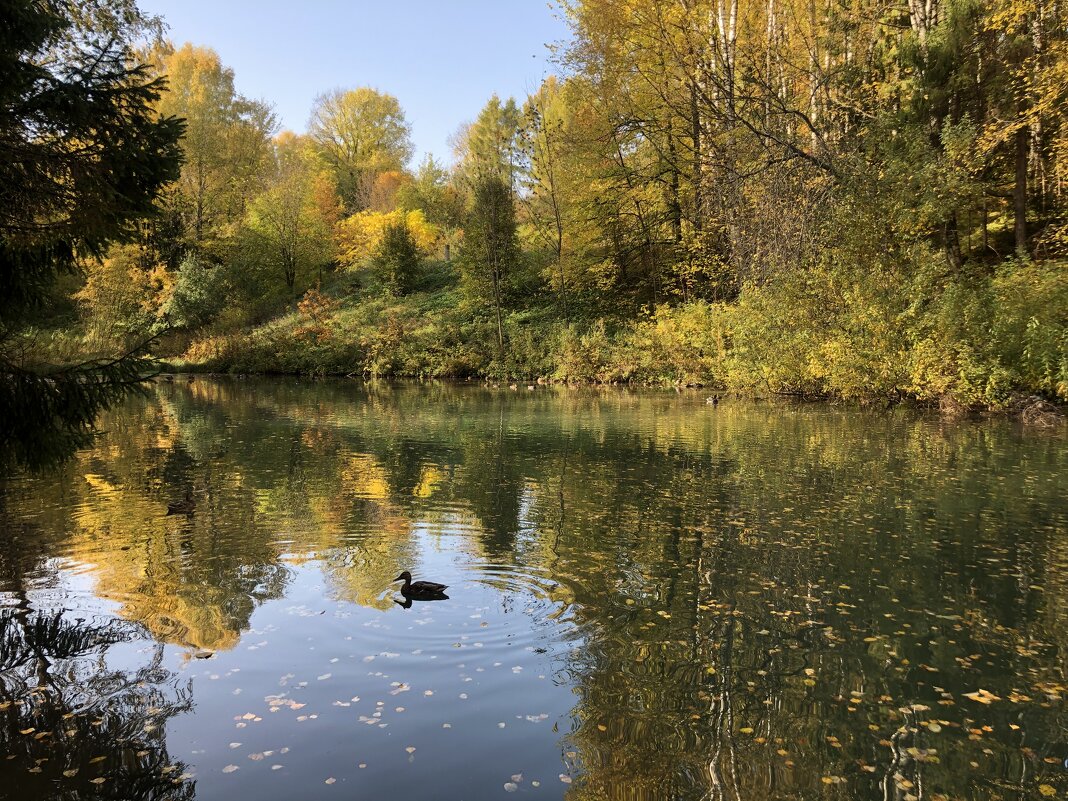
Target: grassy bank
x=977 y=341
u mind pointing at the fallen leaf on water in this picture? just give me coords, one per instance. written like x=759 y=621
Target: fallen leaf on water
x=331 y=780
x=230 y=768
x=1047 y=790
x=410 y=749
x=982 y=696
x=565 y=778
x=510 y=787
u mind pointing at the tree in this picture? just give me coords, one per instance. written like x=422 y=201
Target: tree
x=83 y=158
x=120 y=298
x=490 y=146
x=491 y=248
x=361 y=133
x=290 y=224
x=432 y=192
x=198 y=295
x=397 y=258
x=359 y=236
x=546 y=197
x=227 y=146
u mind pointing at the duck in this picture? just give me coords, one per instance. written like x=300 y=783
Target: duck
x=182 y=507
x=417 y=589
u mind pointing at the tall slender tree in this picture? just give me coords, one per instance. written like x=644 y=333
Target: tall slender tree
x=491 y=247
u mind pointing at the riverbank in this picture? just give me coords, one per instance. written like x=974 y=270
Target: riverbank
x=987 y=342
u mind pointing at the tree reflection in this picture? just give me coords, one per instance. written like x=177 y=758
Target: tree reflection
x=79 y=719
x=766 y=601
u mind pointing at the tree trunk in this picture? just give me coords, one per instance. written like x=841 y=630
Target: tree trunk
x=674 y=206
x=497 y=304
x=951 y=242
x=1019 y=190
x=697 y=178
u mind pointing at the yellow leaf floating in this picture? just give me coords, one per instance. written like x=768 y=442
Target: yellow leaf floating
x=982 y=696
x=1047 y=790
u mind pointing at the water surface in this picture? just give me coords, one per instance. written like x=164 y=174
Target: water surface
x=649 y=598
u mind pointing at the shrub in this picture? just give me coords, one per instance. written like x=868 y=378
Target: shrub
x=396 y=259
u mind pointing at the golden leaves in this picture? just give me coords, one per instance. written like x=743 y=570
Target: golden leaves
x=982 y=696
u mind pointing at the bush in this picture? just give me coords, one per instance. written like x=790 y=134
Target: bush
x=1030 y=330
x=396 y=259
x=888 y=332
x=199 y=294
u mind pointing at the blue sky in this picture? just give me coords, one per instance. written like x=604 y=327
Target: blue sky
x=442 y=59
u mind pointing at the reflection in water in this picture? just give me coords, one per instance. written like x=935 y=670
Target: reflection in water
x=730 y=602
x=73 y=724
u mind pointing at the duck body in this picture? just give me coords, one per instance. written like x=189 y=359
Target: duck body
x=416 y=589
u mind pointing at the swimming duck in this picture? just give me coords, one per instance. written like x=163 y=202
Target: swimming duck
x=415 y=589
x=182 y=507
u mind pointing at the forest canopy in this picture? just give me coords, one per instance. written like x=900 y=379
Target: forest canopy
x=862 y=199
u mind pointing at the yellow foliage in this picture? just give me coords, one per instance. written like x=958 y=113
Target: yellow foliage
x=360 y=234
x=121 y=296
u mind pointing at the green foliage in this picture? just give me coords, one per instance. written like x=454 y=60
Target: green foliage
x=490 y=252
x=431 y=191
x=200 y=291
x=1031 y=325
x=984 y=339
x=489 y=148
x=396 y=261
x=83 y=158
x=288 y=228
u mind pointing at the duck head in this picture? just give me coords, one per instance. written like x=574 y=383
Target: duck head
x=405 y=576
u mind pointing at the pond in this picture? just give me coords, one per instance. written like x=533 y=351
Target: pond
x=650 y=597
